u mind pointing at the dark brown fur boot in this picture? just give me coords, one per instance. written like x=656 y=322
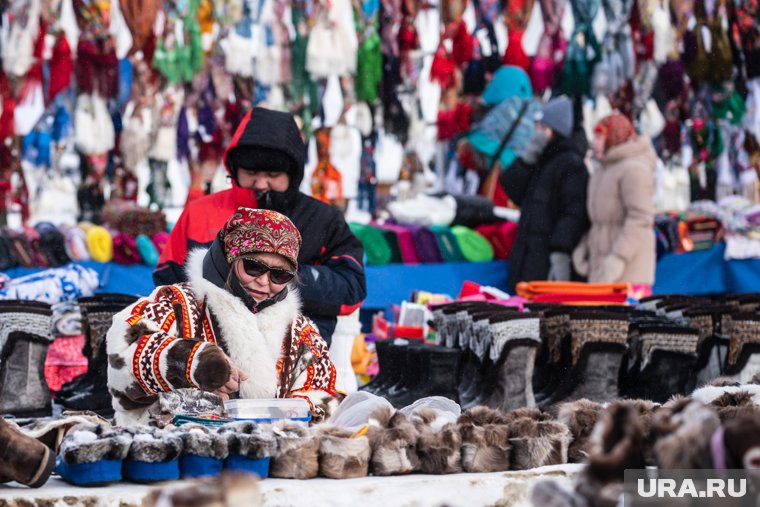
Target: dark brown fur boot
x=536 y=439
x=439 y=443
x=580 y=417
x=683 y=430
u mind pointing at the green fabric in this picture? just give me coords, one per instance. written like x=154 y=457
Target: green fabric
x=369 y=69
x=581 y=59
x=731 y=108
x=447 y=243
x=475 y=247
x=376 y=248
x=182 y=63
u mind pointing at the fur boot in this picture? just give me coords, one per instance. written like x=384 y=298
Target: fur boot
x=200 y=441
x=683 y=430
x=297 y=454
x=580 y=417
x=88 y=443
x=248 y=439
x=438 y=444
x=536 y=439
x=617 y=444
x=741 y=440
x=485 y=440
x=342 y=454
x=25 y=459
x=152 y=445
x=393 y=439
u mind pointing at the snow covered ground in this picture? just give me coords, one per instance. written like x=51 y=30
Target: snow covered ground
x=503 y=489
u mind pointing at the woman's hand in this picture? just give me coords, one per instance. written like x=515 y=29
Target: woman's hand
x=237 y=376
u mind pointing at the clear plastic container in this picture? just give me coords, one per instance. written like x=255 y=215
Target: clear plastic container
x=268 y=410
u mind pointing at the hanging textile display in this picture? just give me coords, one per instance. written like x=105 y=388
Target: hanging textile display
x=517 y=17
x=583 y=51
x=547 y=63
x=179 y=52
x=616 y=65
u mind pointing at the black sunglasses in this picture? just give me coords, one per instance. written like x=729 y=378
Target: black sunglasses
x=276 y=275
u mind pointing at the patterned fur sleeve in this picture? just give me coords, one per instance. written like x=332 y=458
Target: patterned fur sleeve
x=315 y=374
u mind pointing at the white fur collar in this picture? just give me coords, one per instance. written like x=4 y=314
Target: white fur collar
x=253 y=341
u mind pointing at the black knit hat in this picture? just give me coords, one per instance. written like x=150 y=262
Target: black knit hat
x=267 y=140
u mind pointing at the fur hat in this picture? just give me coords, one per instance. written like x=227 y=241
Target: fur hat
x=251 y=231
x=393 y=439
x=342 y=454
x=485 y=440
x=297 y=454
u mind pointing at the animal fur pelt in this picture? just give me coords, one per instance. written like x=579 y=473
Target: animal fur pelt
x=393 y=440
x=297 y=454
x=227 y=489
x=741 y=440
x=485 y=440
x=616 y=444
x=342 y=455
x=88 y=443
x=683 y=430
x=439 y=444
x=536 y=439
x=200 y=441
x=580 y=417
x=248 y=439
x=153 y=445
x=550 y=493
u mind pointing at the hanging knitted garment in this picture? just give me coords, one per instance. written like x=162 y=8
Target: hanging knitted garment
x=617 y=64
x=583 y=51
x=326 y=180
x=180 y=60
x=140 y=16
x=551 y=48
x=517 y=18
x=746 y=31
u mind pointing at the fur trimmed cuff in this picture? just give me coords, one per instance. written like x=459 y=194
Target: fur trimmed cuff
x=91 y=443
x=297 y=455
x=248 y=439
x=153 y=445
x=580 y=417
x=439 y=449
x=537 y=440
x=198 y=440
x=341 y=454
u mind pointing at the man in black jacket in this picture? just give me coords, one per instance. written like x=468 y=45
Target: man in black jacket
x=265 y=160
x=549 y=183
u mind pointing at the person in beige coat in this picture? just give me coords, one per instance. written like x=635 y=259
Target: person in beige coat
x=620 y=246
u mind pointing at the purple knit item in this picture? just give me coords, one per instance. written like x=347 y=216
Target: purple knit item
x=183 y=136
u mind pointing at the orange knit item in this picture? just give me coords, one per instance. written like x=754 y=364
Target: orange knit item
x=530 y=290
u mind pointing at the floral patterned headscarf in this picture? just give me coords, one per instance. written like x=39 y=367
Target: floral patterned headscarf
x=251 y=231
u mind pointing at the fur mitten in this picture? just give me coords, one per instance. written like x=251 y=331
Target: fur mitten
x=393 y=440
x=342 y=453
x=580 y=417
x=439 y=443
x=485 y=440
x=536 y=439
x=297 y=454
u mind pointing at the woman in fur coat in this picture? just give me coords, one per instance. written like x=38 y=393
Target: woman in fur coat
x=620 y=246
x=235 y=329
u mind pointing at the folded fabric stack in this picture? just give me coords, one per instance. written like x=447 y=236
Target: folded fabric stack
x=574 y=293
x=415 y=244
